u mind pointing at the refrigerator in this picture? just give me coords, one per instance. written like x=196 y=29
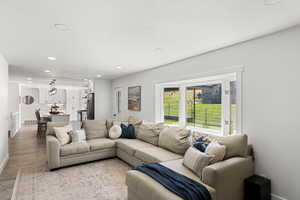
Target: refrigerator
x=91 y=106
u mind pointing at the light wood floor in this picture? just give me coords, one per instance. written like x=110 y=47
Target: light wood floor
x=25 y=151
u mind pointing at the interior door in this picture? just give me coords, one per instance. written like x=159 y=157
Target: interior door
x=118 y=101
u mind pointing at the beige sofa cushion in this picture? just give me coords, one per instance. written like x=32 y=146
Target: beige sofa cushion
x=178 y=166
x=149 y=132
x=100 y=143
x=95 y=129
x=131 y=145
x=236 y=145
x=174 y=139
x=74 y=148
x=141 y=185
x=155 y=154
x=134 y=121
x=51 y=125
x=196 y=160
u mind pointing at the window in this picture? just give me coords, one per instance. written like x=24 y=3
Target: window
x=208 y=104
x=171 y=105
x=203 y=106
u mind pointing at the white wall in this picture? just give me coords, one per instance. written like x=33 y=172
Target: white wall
x=28 y=111
x=3 y=111
x=103 y=99
x=271 y=99
x=13 y=96
x=13 y=107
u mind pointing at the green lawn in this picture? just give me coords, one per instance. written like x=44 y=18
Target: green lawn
x=206 y=115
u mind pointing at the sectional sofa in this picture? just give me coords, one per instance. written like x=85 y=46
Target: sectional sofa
x=224 y=180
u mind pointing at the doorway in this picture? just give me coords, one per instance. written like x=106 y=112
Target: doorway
x=118 y=102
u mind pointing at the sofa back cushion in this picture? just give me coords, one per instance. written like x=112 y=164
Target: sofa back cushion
x=149 y=132
x=174 y=139
x=236 y=145
x=134 y=121
x=95 y=129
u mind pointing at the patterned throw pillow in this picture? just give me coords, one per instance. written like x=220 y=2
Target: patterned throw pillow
x=196 y=160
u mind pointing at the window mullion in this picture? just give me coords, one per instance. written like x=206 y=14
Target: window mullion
x=225 y=107
x=182 y=110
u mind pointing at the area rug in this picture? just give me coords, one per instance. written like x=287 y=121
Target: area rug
x=101 y=180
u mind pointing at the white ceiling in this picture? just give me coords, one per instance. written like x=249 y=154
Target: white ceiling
x=134 y=34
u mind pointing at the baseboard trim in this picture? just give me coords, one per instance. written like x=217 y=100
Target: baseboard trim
x=3 y=163
x=16 y=185
x=276 y=197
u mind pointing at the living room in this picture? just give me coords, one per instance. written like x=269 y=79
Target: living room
x=171 y=75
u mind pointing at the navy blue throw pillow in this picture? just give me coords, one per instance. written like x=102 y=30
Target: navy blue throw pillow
x=127 y=131
x=200 y=145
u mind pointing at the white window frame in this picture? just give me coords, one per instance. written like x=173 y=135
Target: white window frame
x=223 y=79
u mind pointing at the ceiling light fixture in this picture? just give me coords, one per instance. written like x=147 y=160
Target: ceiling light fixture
x=271 y=2
x=51 y=58
x=85 y=79
x=62 y=27
x=29 y=79
x=52 y=90
x=99 y=75
x=119 y=67
x=47 y=71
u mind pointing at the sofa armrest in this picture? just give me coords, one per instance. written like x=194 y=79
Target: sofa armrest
x=53 y=149
x=227 y=177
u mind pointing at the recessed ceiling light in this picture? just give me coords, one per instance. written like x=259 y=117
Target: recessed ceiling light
x=85 y=79
x=99 y=75
x=47 y=71
x=271 y=2
x=51 y=58
x=29 y=79
x=119 y=67
x=62 y=27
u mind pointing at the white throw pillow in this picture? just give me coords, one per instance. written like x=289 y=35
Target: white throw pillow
x=78 y=136
x=196 y=160
x=115 y=131
x=62 y=134
x=217 y=150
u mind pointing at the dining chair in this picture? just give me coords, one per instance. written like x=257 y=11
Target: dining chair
x=42 y=124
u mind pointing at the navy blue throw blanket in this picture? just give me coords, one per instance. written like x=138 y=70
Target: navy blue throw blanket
x=183 y=186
